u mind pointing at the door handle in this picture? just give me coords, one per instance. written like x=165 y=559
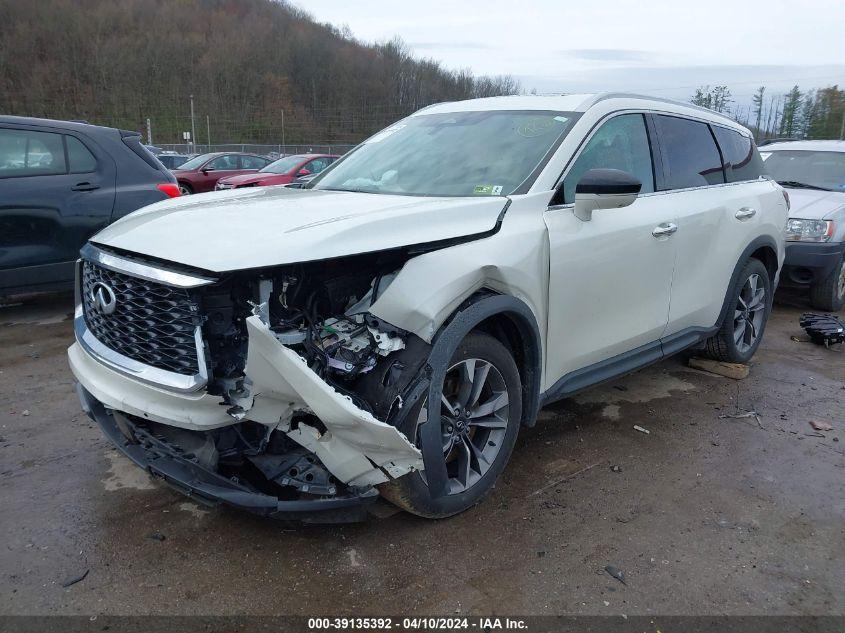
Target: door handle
x=665 y=230
x=85 y=186
x=745 y=213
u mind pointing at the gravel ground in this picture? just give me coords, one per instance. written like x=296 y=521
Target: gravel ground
x=705 y=515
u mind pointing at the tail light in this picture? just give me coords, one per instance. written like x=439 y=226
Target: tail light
x=169 y=189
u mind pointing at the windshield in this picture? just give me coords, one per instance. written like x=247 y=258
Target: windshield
x=818 y=170
x=195 y=162
x=283 y=165
x=455 y=154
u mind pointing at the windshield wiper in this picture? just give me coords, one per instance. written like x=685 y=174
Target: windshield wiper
x=794 y=184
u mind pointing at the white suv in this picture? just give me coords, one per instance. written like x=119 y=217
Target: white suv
x=814 y=174
x=389 y=328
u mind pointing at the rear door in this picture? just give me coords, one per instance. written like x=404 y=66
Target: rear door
x=717 y=204
x=609 y=278
x=56 y=190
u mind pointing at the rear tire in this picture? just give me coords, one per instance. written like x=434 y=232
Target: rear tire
x=492 y=436
x=749 y=308
x=185 y=189
x=829 y=293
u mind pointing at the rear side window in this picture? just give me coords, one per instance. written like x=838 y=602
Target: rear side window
x=742 y=161
x=30 y=153
x=620 y=143
x=690 y=153
x=79 y=158
x=253 y=162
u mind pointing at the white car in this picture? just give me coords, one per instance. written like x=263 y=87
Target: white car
x=814 y=174
x=388 y=329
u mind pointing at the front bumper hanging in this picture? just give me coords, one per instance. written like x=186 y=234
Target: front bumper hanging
x=211 y=488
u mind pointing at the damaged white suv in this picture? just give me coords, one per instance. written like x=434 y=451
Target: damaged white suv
x=387 y=330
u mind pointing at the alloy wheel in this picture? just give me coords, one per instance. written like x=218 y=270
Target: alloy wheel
x=840 y=286
x=749 y=313
x=473 y=421
x=183 y=190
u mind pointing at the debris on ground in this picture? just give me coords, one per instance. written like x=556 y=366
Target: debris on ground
x=737 y=371
x=821 y=426
x=157 y=536
x=75 y=579
x=25 y=412
x=637 y=427
x=616 y=469
x=799 y=340
x=562 y=479
x=746 y=414
x=616 y=573
x=823 y=329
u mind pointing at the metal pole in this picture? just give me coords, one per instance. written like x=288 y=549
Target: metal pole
x=193 y=124
x=842 y=128
x=208 y=131
x=149 y=132
x=283 y=132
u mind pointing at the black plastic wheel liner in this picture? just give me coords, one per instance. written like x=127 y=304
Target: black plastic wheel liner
x=444 y=346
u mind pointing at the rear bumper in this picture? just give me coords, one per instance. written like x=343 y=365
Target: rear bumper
x=809 y=262
x=210 y=488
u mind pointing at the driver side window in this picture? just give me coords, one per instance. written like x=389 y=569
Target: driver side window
x=620 y=143
x=227 y=162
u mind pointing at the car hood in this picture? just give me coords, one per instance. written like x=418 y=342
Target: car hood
x=814 y=205
x=249 y=179
x=255 y=227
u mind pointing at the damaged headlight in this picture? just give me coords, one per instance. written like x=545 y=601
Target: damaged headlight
x=800 y=230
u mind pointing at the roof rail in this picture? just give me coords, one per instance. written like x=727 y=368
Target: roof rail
x=630 y=95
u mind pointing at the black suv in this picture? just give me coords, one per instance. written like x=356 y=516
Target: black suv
x=61 y=182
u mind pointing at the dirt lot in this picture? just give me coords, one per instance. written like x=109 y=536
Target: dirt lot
x=704 y=515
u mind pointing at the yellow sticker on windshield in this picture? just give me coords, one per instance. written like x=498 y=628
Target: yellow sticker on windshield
x=487 y=190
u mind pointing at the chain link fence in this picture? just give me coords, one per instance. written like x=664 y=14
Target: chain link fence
x=253 y=148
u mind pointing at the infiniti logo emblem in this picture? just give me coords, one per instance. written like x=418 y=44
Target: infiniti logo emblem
x=103 y=299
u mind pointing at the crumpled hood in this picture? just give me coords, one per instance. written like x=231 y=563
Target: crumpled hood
x=267 y=226
x=810 y=204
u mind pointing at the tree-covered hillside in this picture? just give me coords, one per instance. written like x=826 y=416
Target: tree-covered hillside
x=253 y=67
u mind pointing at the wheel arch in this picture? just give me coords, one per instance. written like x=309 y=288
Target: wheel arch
x=513 y=323
x=764 y=249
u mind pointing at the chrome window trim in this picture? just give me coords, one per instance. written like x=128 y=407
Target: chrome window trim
x=142 y=372
x=143 y=271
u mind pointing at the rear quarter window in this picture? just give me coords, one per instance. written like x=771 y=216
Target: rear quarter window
x=79 y=158
x=740 y=155
x=691 y=156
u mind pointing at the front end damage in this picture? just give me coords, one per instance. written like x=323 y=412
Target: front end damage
x=302 y=386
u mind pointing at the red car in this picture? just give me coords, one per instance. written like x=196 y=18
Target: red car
x=202 y=173
x=281 y=172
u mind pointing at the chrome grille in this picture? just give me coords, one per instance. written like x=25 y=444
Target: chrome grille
x=152 y=323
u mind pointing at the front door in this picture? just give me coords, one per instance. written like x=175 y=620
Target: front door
x=610 y=277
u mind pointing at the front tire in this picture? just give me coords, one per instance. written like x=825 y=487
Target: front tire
x=185 y=189
x=749 y=308
x=829 y=293
x=481 y=411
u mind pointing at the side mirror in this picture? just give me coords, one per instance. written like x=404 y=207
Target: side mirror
x=207 y=169
x=304 y=172
x=604 y=189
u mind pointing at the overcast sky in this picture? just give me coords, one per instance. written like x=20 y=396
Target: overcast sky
x=663 y=47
